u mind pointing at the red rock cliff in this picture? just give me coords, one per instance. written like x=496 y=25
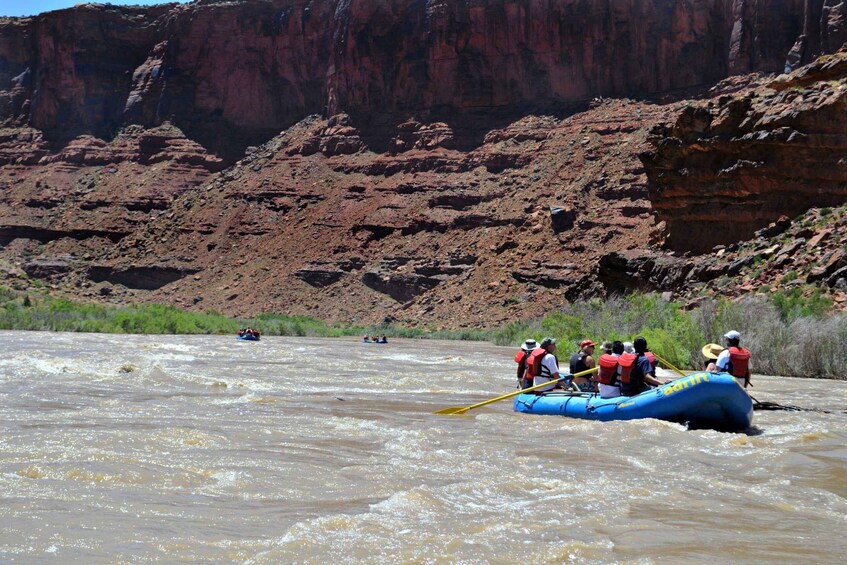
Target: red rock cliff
x=730 y=167
x=457 y=190
x=233 y=73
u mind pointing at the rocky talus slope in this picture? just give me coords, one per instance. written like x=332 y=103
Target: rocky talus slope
x=443 y=163
x=313 y=223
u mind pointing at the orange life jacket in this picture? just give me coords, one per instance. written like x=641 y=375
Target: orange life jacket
x=650 y=357
x=739 y=361
x=608 y=370
x=533 y=363
x=626 y=362
x=520 y=358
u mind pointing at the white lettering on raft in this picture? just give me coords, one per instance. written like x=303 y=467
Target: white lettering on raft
x=680 y=384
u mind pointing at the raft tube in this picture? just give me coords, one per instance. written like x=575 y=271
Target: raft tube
x=248 y=337
x=700 y=400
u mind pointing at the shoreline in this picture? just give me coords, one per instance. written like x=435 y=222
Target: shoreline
x=783 y=337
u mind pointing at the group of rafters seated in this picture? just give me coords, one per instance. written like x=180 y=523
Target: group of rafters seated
x=248 y=332
x=624 y=369
x=375 y=339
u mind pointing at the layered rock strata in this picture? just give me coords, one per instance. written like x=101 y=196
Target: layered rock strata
x=727 y=168
x=234 y=73
x=416 y=161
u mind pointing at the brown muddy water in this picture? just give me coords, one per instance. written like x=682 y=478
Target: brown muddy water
x=138 y=449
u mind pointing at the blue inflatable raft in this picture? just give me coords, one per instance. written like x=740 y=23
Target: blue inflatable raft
x=701 y=400
x=248 y=337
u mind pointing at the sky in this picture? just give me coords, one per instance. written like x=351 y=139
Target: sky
x=33 y=7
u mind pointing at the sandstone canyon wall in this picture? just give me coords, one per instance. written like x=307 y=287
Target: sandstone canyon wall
x=727 y=168
x=439 y=162
x=231 y=73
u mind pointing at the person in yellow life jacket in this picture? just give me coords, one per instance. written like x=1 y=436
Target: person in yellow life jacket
x=542 y=365
x=735 y=360
x=521 y=358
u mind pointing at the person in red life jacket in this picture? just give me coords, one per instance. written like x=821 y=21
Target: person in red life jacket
x=735 y=360
x=520 y=358
x=583 y=361
x=542 y=365
x=637 y=375
x=652 y=358
x=609 y=371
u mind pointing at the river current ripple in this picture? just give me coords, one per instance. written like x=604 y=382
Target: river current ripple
x=139 y=449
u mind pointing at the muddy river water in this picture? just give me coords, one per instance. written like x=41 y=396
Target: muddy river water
x=138 y=449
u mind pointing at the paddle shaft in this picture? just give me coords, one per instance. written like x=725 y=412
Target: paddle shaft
x=463 y=409
x=681 y=374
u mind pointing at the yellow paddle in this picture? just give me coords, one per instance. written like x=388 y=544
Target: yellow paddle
x=463 y=409
x=681 y=374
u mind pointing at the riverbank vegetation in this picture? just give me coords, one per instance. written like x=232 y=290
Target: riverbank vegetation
x=791 y=333
x=36 y=311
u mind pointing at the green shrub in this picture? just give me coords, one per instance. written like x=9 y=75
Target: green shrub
x=514 y=334
x=787 y=333
x=789 y=276
x=791 y=304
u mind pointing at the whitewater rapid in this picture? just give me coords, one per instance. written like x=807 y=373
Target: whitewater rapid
x=137 y=449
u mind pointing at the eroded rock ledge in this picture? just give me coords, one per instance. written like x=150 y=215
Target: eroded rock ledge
x=731 y=166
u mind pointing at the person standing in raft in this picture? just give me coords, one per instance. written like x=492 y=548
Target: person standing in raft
x=583 y=361
x=542 y=365
x=735 y=360
x=643 y=375
x=521 y=358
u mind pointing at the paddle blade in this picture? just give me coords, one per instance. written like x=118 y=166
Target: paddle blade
x=453 y=410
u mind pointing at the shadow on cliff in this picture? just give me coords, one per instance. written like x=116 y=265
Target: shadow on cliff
x=469 y=127
x=224 y=140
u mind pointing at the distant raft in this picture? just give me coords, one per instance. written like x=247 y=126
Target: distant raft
x=701 y=400
x=248 y=337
